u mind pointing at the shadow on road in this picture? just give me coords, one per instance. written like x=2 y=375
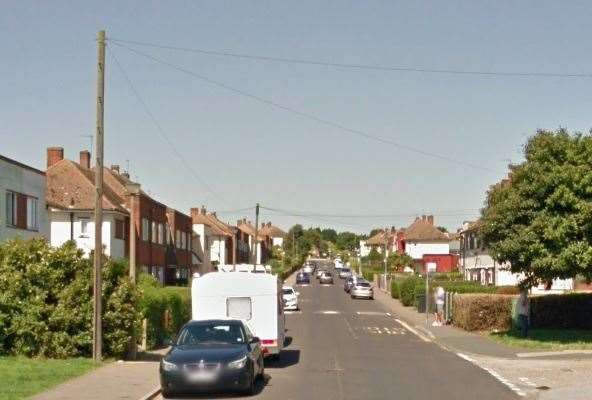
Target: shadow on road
x=287 y=359
x=259 y=386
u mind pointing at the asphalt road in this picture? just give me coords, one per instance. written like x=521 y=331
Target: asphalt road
x=341 y=348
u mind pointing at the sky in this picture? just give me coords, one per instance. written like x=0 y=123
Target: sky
x=247 y=151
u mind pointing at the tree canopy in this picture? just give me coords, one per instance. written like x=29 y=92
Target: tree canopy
x=540 y=219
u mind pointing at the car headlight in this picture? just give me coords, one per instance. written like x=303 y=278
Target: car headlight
x=169 y=366
x=238 y=364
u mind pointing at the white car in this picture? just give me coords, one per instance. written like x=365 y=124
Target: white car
x=308 y=269
x=290 y=297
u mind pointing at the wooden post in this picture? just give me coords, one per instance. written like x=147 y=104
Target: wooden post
x=98 y=259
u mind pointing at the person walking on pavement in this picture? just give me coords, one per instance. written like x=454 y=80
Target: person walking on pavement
x=439 y=297
x=523 y=310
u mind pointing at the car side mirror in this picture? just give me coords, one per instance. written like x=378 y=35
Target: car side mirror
x=255 y=340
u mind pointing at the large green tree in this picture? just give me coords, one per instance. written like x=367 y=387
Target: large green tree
x=540 y=219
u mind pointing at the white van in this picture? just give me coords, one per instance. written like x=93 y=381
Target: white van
x=259 y=268
x=254 y=298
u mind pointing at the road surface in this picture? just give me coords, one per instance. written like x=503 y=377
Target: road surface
x=341 y=349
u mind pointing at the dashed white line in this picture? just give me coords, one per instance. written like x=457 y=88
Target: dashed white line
x=349 y=327
x=328 y=312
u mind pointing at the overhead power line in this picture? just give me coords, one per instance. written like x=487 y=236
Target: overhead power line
x=302 y=113
x=451 y=213
x=162 y=132
x=357 y=66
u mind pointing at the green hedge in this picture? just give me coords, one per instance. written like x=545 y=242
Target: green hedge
x=156 y=301
x=482 y=312
x=568 y=311
x=407 y=290
x=395 y=289
x=368 y=275
x=46 y=302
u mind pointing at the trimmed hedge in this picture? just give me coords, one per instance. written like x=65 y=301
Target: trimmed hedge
x=482 y=312
x=157 y=302
x=568 y=311
x=395 y=289
x=407 y=290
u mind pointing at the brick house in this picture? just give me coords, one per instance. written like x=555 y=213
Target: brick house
x=160 y=251
x=23 y=207
x=216 y=238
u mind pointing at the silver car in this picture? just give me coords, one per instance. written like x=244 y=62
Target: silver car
x=326 y=278
x=362 y=289
x=345 y=273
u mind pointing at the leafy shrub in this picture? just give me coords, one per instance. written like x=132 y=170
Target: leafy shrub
x=569 y=311
x=368 y=275
x=157 y=302
x=407 y=290
x=481 y=312
x=447 y=276
x=46 y=301
x=395 y=289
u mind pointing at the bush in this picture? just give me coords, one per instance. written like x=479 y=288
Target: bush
x=395 y=289
x=157 y=302
x=447 y=276
x=368 y=275
x=46 y=302
x=568 y=311
x=407 y=290
x=481 y=312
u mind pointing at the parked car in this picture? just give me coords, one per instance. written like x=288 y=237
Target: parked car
x=345 y=273
x=308 y=269
x=326 y=278
x=302 y=278
x=348 y=283
x=290 y=297
x=362 y=289
x=212 y=354
x=319 y=273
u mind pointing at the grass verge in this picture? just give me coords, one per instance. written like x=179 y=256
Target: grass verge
x=22 y=377
x=547 y=339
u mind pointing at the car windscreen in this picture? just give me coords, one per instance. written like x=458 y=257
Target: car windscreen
x=363 y=284
x=204 y=334
x=327 y=274
x=345 y=270
x=287 y=291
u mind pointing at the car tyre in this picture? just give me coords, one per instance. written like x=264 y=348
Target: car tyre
x=250 y=390
x=167 y=394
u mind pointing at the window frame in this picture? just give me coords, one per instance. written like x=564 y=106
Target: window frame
x=12 y=214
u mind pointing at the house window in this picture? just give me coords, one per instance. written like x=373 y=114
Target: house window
x=182 y=240
x=145 y=229
x=178 y=238
x=154 y=233
x=188 y=241
x=32 y=220
x=84 y=227
x=11 y=208
x=168 y=233
x=119 y=229
x=161 y=233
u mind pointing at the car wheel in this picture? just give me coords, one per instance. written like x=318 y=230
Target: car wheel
x=262 y=370
x=250 y=389
x=167 y=394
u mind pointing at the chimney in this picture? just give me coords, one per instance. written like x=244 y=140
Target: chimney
x=431 y=219
x=244 y=220
x=239 y=222
x=213 y=214
x=203 y=210
x=125 y=174
x=54 y=155
x=194 y=213
x=423 y=217
x=115 y=168
x=85 y=159
x=269 y=224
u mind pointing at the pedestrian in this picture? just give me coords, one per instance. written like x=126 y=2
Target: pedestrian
x=439 y=296
x=523 y=311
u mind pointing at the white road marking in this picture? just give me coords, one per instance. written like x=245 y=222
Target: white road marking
x=493 y=373
x=350 y=329
x=370 y=313
x=292 y=312
x=410 y=329
x=329 y=312
x=528 y=382
x=377 y=330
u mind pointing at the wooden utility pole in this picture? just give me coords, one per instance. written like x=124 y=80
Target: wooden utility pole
x=98 y=259
x=386 y=239
x=256 y=235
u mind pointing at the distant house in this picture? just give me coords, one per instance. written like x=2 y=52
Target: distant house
x=425 y=243
x=246 y=243
x=216 y=238
x=391 y=238
x=276 y=235
x=23 y=207
x=478 y=265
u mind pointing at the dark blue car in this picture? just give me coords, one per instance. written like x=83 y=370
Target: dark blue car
x=302 y=278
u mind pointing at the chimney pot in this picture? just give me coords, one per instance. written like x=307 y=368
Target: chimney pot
x=125 y=174
x=431 y=219
x=203 y=210
x=54 y=155
x=115 y=168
